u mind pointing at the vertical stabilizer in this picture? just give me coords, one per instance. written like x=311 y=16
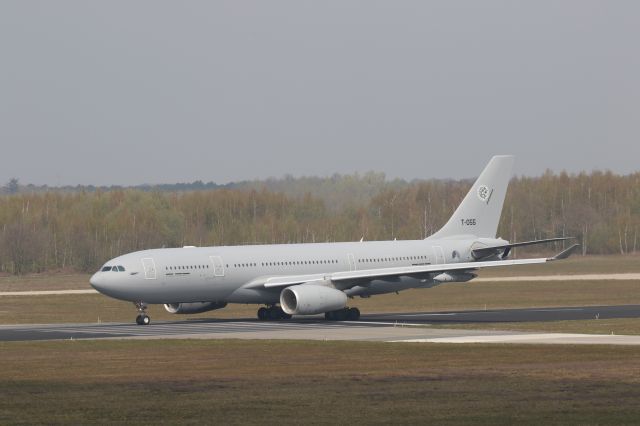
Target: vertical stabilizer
x=479 y=212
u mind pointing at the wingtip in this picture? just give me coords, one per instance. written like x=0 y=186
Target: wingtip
x=565 y=253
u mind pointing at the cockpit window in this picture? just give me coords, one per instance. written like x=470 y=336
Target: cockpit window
x=106 y=268
x=120 y=268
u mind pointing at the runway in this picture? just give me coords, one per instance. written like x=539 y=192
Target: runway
x=400 y=327
x=512 y=315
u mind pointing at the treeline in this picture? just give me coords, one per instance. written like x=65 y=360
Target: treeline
x=81 y=230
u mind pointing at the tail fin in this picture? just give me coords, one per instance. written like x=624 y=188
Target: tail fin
x=479 y=212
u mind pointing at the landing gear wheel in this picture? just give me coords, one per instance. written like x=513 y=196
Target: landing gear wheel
x=341 y=315
x=353 y=314
x=142 y=318
x=275 y=313
x=263 y=314
x=346 y=314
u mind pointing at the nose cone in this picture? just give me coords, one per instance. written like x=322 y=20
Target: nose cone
x=98 y=281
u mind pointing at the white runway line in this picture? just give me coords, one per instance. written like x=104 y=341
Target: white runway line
x=46 y=293
x=168 y=329
x=537 y=338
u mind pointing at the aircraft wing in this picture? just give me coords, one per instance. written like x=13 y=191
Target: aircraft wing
x=481 y=253
x=382 y=273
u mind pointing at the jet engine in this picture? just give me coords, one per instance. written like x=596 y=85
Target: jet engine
x=193 y=308
x=311 y=299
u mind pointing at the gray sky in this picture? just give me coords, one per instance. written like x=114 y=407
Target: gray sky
x=129 y=92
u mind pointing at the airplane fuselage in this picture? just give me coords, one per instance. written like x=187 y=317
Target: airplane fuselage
x=225 y=274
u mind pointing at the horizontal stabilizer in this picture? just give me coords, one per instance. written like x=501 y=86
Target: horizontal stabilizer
x=565 y=253
x=485 y=252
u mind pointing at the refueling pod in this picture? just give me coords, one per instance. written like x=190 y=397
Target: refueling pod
x=193 y=308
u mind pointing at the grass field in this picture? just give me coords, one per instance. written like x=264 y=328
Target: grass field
x=266 y=382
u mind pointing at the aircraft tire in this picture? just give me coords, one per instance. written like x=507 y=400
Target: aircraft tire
x=143 y=320
x=342 y=314
x=353 y=314
x=274 y=314
x=263 y=314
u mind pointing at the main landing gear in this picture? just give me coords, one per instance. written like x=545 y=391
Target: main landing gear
x=346 y=314
x=272 y=313
x=142 y=318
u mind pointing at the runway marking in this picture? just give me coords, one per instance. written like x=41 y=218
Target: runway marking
x=557 y=309
x=536 y=338
x=431 y=315
x=193 y=329
x=46 y=292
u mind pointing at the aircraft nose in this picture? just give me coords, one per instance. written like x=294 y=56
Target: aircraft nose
x=98 y=281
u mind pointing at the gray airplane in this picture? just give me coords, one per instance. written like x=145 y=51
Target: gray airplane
x=310 y=279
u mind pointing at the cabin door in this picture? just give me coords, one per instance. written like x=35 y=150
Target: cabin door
x=218 y=266
x=438 y=255
x=352 y=262
x=149 y=268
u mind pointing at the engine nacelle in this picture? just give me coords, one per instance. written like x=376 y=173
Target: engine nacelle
x=454 y=277
x=192 y=308
x=311 y=299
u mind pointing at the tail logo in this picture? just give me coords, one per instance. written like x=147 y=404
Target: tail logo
x=484 y=193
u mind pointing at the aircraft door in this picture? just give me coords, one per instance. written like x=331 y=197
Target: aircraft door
x=149 y=268
x=438 y=255
x=352 y=262
x=218 y=266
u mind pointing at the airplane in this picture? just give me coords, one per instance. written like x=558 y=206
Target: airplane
x=320 y=278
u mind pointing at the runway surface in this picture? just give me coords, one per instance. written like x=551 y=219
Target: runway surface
x=405 y=327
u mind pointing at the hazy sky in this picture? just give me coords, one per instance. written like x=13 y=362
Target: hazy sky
x=129 y=92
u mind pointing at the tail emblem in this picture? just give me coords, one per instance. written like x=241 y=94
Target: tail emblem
x=484 y=193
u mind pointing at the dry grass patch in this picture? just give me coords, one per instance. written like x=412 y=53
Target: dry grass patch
x=235 y=382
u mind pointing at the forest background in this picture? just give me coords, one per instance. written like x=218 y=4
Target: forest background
x=78 y=228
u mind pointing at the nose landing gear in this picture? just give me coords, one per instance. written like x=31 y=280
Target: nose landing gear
x=142 y=318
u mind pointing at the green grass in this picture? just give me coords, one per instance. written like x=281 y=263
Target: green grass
x=250 y=382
